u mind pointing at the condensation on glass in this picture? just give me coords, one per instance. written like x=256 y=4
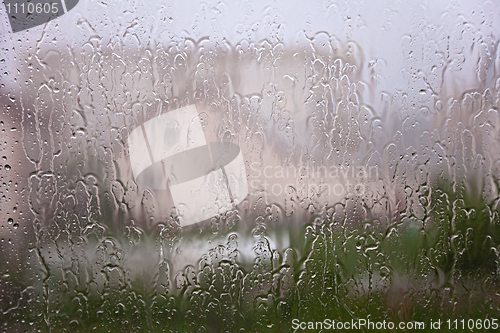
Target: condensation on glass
x=368 y=135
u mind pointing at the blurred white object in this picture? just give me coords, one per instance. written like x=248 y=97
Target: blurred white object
x=204 y=180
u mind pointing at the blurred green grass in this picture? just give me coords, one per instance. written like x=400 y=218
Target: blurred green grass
x=442 y=267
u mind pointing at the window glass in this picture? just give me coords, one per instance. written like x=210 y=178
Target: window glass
x=249 y=166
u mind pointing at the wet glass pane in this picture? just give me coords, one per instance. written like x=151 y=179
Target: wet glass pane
x=249 y=166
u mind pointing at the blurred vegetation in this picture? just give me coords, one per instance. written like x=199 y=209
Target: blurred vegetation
x=446 y=264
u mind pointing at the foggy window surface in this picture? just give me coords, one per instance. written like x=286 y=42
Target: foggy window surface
x=249 y=166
